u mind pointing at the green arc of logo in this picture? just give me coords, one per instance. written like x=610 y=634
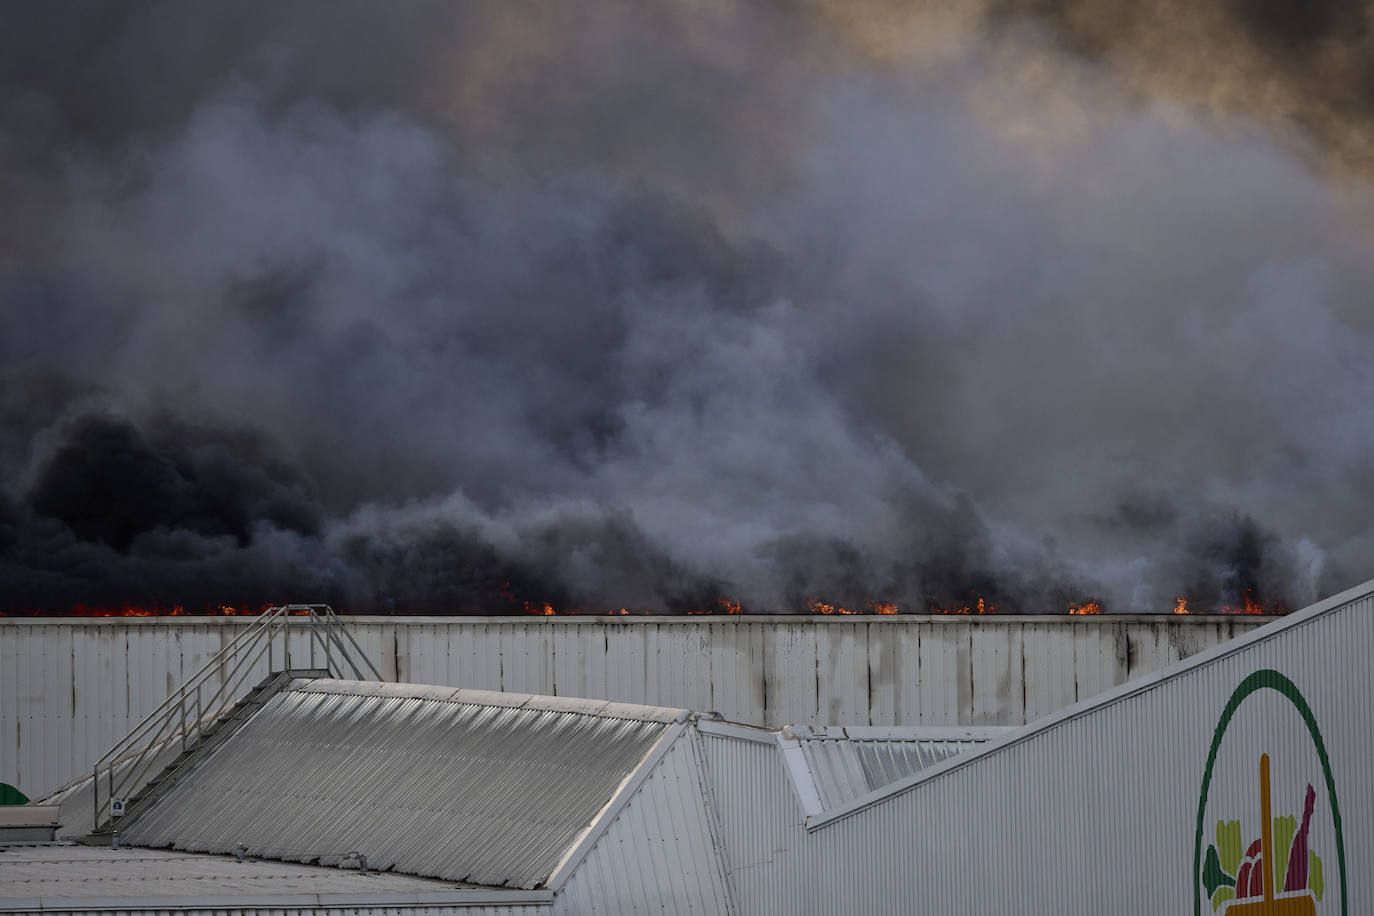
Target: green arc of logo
x=1260 y=680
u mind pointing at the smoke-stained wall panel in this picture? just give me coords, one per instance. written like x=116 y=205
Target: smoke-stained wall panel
x=1042 y=685
x=738 y=677
x=944 y=673
x=842 y=675
x=627 y=666
x=682 y=664
x=526 y=654
x=70 y=688
x=792 y=652
x=998 y=692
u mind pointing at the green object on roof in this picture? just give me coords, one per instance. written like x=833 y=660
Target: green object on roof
x=9 y=795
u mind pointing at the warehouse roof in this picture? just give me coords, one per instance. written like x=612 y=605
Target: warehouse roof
x=66 y=876
x=490 y=788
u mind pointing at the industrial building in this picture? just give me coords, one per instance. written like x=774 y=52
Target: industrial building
x=71 y=687
x=1235 y=781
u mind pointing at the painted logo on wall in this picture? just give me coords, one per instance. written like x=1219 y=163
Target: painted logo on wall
x=1268 y=821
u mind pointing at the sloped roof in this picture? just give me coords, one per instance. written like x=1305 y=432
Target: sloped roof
x=466 y=785
x=71 y=877
x=846 y=763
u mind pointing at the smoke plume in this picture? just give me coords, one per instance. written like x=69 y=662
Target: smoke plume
x=479 y=306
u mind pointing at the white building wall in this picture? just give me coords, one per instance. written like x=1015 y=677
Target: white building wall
x=661 y=854
x=762 y=827
x=1096 y=812
x=70 y=688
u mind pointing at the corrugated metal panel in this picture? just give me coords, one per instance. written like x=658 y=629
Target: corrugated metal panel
x=1098 y=810
x=70 y=689
x=56 y=878
x=661 y=853
x=762 y=826
x=843 y=768
x=62 y=870
x=464 y=785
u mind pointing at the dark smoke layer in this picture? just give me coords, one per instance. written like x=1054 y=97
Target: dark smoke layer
x=479 y=307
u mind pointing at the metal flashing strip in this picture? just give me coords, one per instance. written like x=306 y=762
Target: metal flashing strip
x=896 y=732
x=606 y=709
x=607 y=815
x=803 y=783
x=724 y=729
x=1101 y=701
x=457 y=898
x=713 y=824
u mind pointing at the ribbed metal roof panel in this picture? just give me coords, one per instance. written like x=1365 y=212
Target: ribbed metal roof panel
x=75 y=871
x=844 y=767
x=464 y=785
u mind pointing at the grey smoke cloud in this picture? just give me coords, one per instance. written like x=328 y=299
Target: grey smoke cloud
x=467 y=306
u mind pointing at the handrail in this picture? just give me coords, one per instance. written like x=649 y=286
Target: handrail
x=216 y=660
x=332 y=629
x=197 y=703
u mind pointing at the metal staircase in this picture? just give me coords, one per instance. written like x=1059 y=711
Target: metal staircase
x=201 y=713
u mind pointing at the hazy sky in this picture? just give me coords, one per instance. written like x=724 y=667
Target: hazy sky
x=445 y=306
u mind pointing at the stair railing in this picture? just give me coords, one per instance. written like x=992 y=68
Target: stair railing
x=198 y=703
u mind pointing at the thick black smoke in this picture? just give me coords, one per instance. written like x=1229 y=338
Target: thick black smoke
x=452 y=306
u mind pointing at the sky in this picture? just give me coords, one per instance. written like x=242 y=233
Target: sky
x=446 y=306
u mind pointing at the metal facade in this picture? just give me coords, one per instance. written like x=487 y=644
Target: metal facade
x=1097 y=808
x=843 y=764
x=1104 y=806
x=661 y=854
x=465 y=785
x=762 y=824
x=70 y=688
x=55 y=878
x=71 y=870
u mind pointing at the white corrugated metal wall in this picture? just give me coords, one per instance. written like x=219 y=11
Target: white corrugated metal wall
x=660 y=854
x=70 y=688
x=762 y=826
x=1096 y=812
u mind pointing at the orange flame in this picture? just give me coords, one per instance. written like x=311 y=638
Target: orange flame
x=541 y=610
x=1180 y=605
x=980 y=606
x=722 y=605
x=133 y=610
x=1250 y=606
x=820 y=607
x=882 y=607
x=1091 y=607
